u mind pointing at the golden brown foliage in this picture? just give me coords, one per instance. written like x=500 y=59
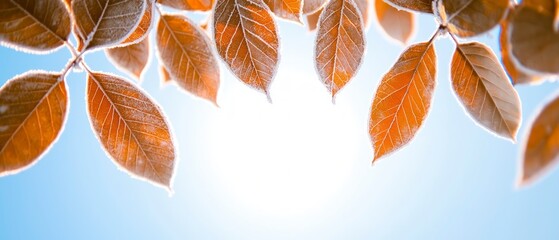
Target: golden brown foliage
x=131 y=58
x=398 y=24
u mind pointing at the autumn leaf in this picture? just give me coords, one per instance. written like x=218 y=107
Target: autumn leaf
x=312 y=6
x=34 y=26
x=467 y=18
x=131 y=128
x=340 y=44
x=541 y=149
x=106 y=23
x=246 y=38
x=312 y=20
x=364 y=6
x=164 y=75
x=414 y=5
x=286 y=9
x=142 y=30
x=132 y=58
x=33 y=110
x=398 y=24
x=534 y=45
x=185 y=51
x=189 y=5
x=403 y=99
x=484 y=90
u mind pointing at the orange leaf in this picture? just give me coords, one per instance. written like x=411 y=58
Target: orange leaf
x=340 y=44
x=33 y=109
x=312 y=20
x=132 y=58
x=131 y=127
x=312 y=6
x=189 y=5
x=467 y=18
x=247 y=40
x=287 y=9
x=164 y=75
x=364 y=6
x=414 y=5
x=142 y=30
x=403 y=99
x=482 y=86
x=398 y=24
x=186 y=52
x=35 y=26
x=541 y=149
x=106 y=23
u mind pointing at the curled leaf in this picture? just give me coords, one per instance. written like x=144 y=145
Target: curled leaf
x=541 y=149
x=33 y=109
x=340 y=44
x=467 y=18
x=131 y=58
x=36 y=26
x=312 y=6
x=185 y=51
x=398 y=24
x=189 y=5
x=106 y=23
x=247 y=40
x=131 y=128
x=142 y=30
x=414 y=5
x=286 y=9
x=403 y=99
x=312 y=20
x=482 y=86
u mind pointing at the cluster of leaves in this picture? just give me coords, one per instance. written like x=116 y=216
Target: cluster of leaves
x=134 y=132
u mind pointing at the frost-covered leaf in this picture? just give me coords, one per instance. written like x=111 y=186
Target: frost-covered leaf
x=312 y=6
x=33 y=109
x=340 y=44
x=131 y=127
x=541 y=149
x=142 y=30
x=36 y=26
x=467 y=18
x=131 y=58
x=534 y=44
x=364 y=7
x=398 y=24
x=106 y=23
x=185 y=51
x=414 y=5
x=189 y=5
x=247 y=40
x=484 y=90
x=312 y=20
x=403 y=99
x=287 y=9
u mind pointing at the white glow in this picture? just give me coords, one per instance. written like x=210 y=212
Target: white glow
x=286 y=158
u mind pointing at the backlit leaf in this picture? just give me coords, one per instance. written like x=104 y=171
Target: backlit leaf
x=403 y=99
x=312 y=6
x=398 y=24
x=312 y=20
x=247 y=40
x=185 y=51
x=541 y=150
x=106 y=23
x=482 y=86
x=287 y=9
x=467 y=18
x=340 y=44
x=36 y=26
x=534 y=44
x=189 y=5
x=131 y=58
x=131 y=127
x=415 y=5
x=364 y=6
x=142 y=30
x=33 y=109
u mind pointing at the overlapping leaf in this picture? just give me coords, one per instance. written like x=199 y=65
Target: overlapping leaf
x=482 y=86
x=364 y=8
x=312 y=20
x=33 y=109
x=37 y=26
x=467 y=18
x=312 y=6
x=398 y=24
x=186 y=52
x=541 y=150
x=131 y=58
x=131 y=127
x=189 y=5
x=287 y=9
x=142 y=30
x=340 y=44
x=247 y=40
x=414 y=5
x=403 y=99
x=105 y=23
x=533 y=42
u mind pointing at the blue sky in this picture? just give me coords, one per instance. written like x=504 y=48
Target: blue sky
x=299 y=168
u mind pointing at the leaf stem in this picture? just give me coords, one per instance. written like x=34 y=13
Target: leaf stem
x=77 y=58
